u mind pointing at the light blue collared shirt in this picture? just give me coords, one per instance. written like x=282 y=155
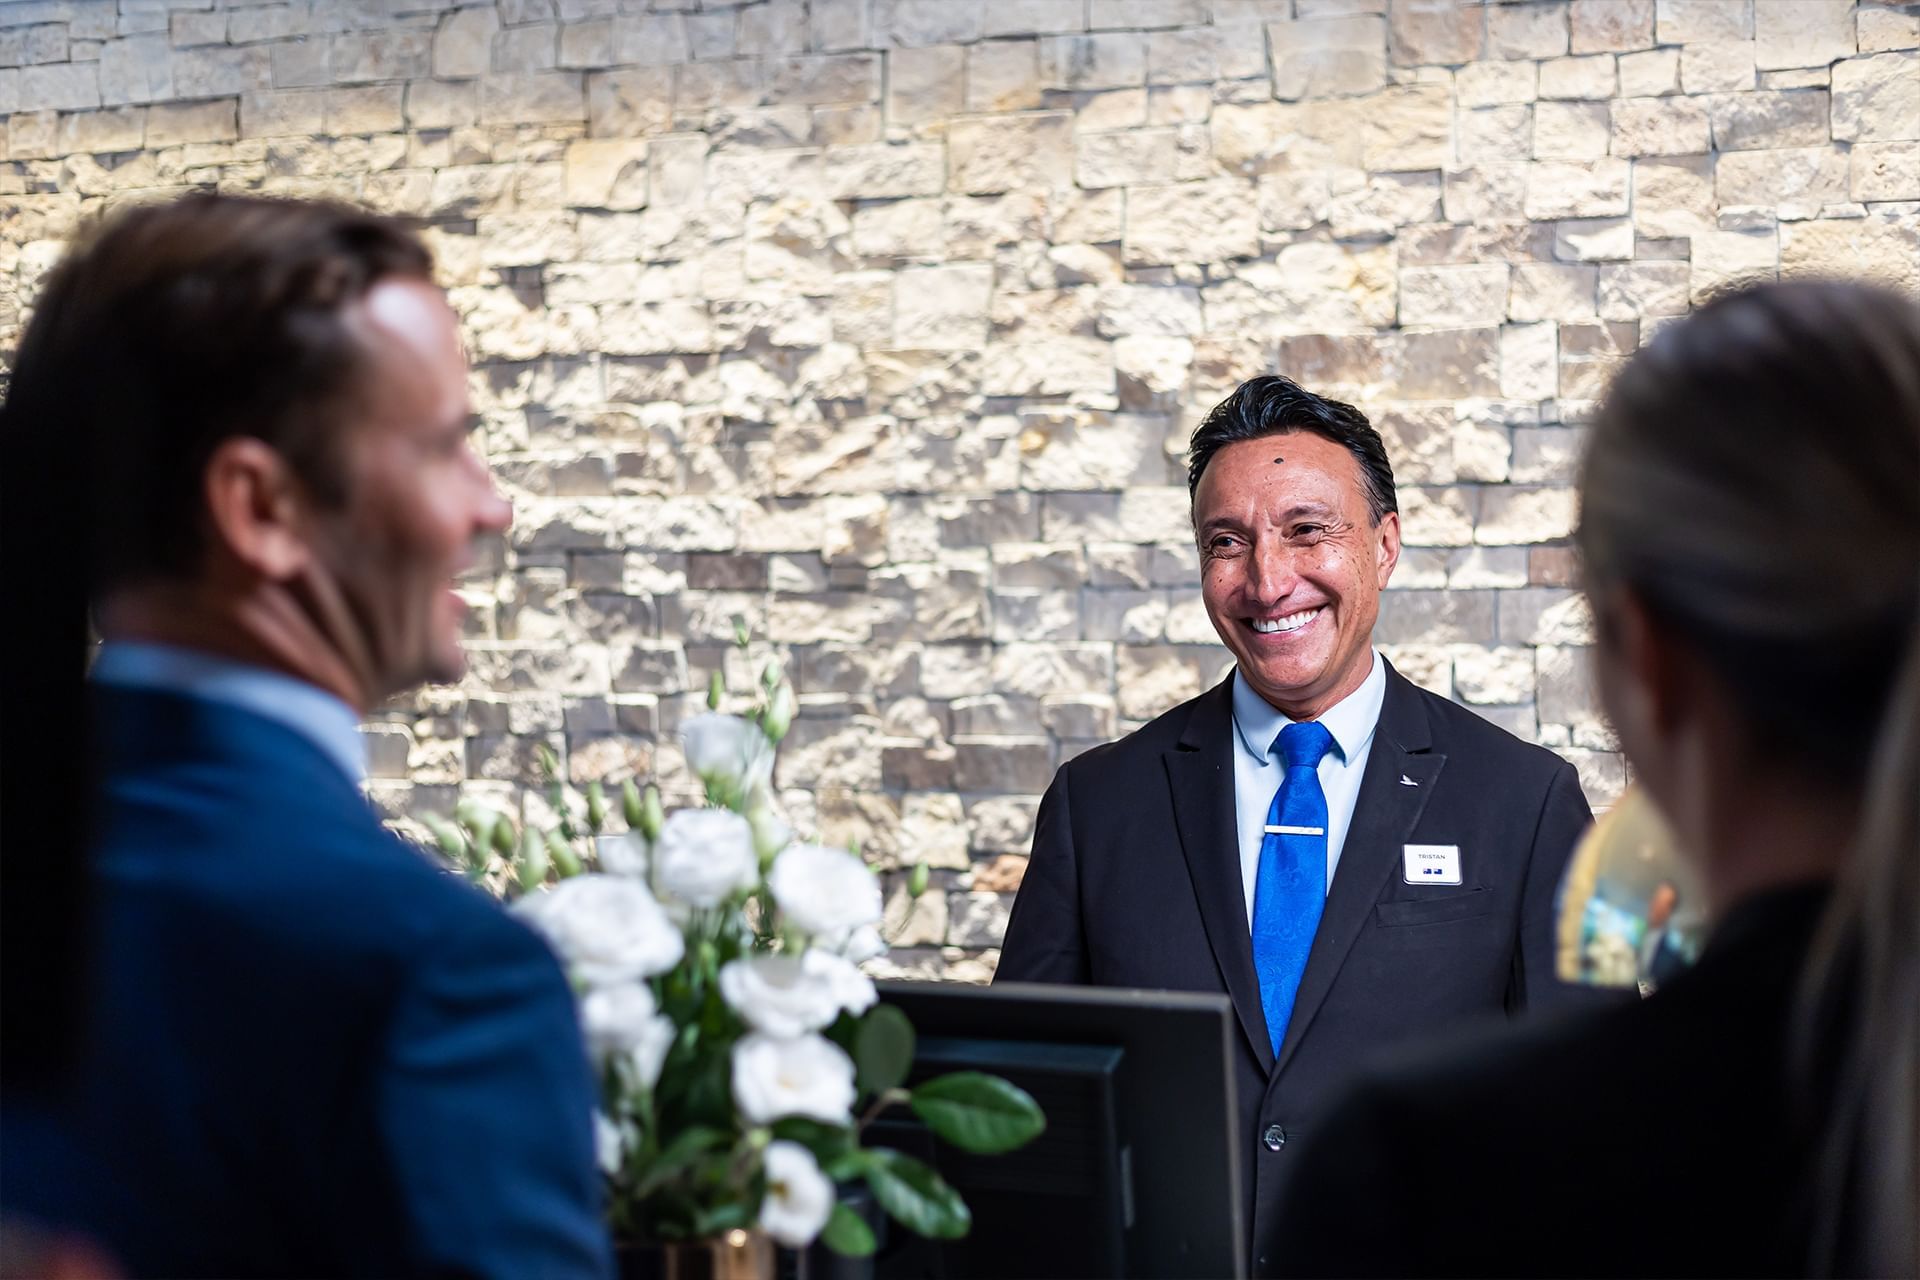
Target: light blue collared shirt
x=307 y=709
x=1257 y=775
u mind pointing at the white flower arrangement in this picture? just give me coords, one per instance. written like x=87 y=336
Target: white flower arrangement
x=740 y=1048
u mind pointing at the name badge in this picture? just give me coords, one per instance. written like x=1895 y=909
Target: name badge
x=1432 y=863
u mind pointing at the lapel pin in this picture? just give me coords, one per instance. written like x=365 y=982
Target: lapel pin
x=1405 y=781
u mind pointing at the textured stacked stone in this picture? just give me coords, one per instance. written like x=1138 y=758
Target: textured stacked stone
x=882 y=324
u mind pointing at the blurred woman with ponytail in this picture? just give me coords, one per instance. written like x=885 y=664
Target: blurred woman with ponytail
x=1750 y=533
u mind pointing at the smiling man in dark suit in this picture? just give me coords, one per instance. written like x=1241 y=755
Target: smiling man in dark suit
x=1355 y=861
x=304 y=1048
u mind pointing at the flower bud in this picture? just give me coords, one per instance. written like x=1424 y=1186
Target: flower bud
x=779 y=715
x=917 y=880
x=630 y=804
x=716 y=691
x=565 y=860
x=653 y=814
x=596 y=807
x=534 y=861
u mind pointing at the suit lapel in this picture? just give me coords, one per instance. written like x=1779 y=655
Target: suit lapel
x=1200 y=774
x=1383 y=816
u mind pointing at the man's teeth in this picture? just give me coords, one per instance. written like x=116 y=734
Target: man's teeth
x=1292 y=622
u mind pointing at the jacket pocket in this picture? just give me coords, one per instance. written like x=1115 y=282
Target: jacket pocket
x=1455 y=906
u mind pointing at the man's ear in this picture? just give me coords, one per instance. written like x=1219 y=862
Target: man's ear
x=1389 y=551
x=256 y=508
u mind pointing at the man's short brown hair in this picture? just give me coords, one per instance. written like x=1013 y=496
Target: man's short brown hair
x=172 y=327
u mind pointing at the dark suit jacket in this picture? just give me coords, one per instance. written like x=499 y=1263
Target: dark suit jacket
x=309 y=1051
x=1135 y=882
x=1663 y=1138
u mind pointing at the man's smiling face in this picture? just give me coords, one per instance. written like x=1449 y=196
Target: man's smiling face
x=1292 y=565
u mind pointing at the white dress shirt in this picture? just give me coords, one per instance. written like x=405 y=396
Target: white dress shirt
x=1257 y=774
x=307 y=709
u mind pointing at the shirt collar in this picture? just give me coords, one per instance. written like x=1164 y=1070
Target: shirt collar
x=307 y=709
x=1351 y=720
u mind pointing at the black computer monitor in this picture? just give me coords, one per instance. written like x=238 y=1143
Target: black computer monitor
x=1138 y=1172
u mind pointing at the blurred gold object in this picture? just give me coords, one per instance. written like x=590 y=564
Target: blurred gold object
x=1631 y=912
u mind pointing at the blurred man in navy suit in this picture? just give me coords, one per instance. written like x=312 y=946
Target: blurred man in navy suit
x=304 y=1049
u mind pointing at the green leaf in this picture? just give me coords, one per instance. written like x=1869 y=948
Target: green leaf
x=979 y=1113
x=596 y=806
x=679 y=1154
x=847 y=1233
x=917 y=1197
x=883 y=1048
x=711 y=1222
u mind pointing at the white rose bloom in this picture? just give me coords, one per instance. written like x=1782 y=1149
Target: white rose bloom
x=705 y=855
x=728 y=747
x=624 y=1020
x=607 y=930
x=799 y=1197
x=623 y=855
x=610 y=1142
x=863 y=944
x=826 y=892
x=805 y=1076
x=787 y=996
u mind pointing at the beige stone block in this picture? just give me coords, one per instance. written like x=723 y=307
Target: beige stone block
x=627 y=104
x=1610 y=26
x=1578 y=77
x=1267 y=136
x=1180 y=104
x=1658 y=127
x=1382 y=203
x=1551 y=291
x=1328 y=57
x=367 y=109
x=547 y=97
x=1530 y=361
x=1885 y=171
x=1877 y=98
x=1407 y=127
x=1002 y=153
x=1491 y=135
x=1593 y=239
x=1487 y=193
x=1651 y=73
x=1795 y=182
x=1106 y=60
x=848 y=126
x=1310 y=287
x=1151 y=371
x=1561 y=190
x=884 y=171
x=1799 y=78
x=1003 y=75
x=1801 y=33
x=825 y=79
x=925 y=83
x=1081 y=451
x=1630 y=290
x=1213 y=221
x=1570 y=130
x=1433 y=32
x=702 y=86
x=606 y=173
x=1188 y=55
x=1046 y=366
x=1535 y=30
x=1749 y=121
x=1482 y=84
x=1674 y=197
x=1885 y=252
x=1124 y=159
x=463 y=44
x=1111 y=110
x=99 y=132
x=170 y=124
x=1727 y=260
x=942 y=308
x=1717 y=67
x=1690 y=21
x=1879 y=29
x=1453 y=297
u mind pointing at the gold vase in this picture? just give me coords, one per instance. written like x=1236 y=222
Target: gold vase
x=733 y=1255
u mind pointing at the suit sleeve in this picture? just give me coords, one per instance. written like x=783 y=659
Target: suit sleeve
x=1044 y=941
x=1564 y=818
x=486 y=1112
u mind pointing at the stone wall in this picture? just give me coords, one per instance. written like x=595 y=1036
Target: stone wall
x=883 y=323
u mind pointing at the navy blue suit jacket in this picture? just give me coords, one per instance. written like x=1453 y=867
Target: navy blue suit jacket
x=310 y=1051
x=1135 y=882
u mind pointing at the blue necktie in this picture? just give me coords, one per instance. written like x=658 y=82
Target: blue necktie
x=1291 y=889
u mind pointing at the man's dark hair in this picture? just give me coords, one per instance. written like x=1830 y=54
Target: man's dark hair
x=173 y=327
x=1272 y=406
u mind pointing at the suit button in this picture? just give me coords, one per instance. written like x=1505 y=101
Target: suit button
x=1275 y=1137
